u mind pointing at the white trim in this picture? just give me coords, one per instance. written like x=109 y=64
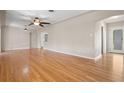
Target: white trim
x=99 y=56
x=74 y=54
x=118 y=52
x=95 y=58
x=17 y=48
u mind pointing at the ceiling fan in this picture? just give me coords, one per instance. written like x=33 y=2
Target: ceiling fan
x=37 y=21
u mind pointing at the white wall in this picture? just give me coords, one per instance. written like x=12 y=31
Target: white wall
x=35 y=39
x=12 y=37
x=42 y=39
x=0 y=33
x=104 y=37
x=71 y=37
x=2 y=27
x=110 y=28
x=38 y=39
x=16 y=38
x=77 y=36
x=98 y=38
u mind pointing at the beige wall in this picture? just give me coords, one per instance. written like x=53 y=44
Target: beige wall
x=77 y=35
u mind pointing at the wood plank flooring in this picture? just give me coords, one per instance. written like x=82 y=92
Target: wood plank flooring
x=43 y=65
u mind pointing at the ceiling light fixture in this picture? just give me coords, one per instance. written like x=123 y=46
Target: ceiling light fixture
x=39 y=22
x=36 y=21
x=25 y=28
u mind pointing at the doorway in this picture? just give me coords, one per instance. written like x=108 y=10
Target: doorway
x=33 y=39
x=44 y=39
x=118 y=40
x=102 y=40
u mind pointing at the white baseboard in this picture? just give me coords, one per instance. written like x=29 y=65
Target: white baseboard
x=95 y=58
x=114 y=51
x=99 y=56
x=74 y=54
x=17 y=48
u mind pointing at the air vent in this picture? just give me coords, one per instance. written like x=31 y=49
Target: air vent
x=51 y=10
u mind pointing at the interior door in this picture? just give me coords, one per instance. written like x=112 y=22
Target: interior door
x=44 y=39
x=118 y=39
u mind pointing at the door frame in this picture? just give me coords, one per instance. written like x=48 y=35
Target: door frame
x=112 y=49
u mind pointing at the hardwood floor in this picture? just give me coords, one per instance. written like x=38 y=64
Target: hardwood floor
x=43 y=65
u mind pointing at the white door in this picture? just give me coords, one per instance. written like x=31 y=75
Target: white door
x=118 y=41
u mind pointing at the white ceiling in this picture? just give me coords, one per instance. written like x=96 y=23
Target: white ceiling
x=112 y=19
x=20 y=18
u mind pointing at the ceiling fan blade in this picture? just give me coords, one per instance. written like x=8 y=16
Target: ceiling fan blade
x=30 y=24
x=41 y=25
x=44 y=23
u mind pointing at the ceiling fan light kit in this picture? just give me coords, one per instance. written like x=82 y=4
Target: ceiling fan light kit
x=25 y=29
x=37 y=22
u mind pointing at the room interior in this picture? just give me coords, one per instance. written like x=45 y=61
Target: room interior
x=61 y=45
